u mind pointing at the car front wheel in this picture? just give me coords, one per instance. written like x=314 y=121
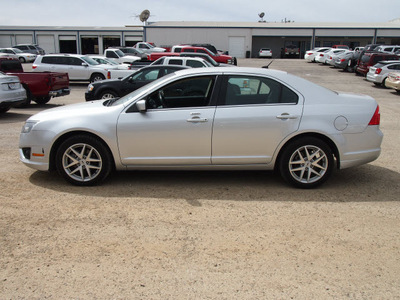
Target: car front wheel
x=83 y=160
x=306 y=163
x=108 y=95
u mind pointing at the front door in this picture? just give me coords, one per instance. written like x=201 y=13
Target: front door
x=176 y=128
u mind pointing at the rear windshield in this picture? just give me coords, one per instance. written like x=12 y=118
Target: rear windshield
x=10 y=66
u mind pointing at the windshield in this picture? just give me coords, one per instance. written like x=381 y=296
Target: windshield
x=211 y=53
x=90 y=61
x=120 y=53
x=139 y=91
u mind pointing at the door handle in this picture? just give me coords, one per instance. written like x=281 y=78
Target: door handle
x=197 y=120
x=286 y=116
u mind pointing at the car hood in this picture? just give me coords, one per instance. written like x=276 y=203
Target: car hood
x=74 y=111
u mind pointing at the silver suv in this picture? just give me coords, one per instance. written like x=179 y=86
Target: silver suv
x=30 y=48
x=79 y=67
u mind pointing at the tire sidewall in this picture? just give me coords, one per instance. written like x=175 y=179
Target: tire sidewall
x=291 y=148
x=93 y=142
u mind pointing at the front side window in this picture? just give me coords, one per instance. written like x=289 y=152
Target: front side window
x=241 y=90
x=190 y=92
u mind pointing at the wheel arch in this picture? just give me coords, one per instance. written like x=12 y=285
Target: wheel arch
x=65 y=136
x=320 y=136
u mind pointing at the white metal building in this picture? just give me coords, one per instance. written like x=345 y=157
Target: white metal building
x=245 y=39
x=241 y=39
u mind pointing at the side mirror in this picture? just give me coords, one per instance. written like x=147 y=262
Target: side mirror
x=141 y=106
x=85 y=65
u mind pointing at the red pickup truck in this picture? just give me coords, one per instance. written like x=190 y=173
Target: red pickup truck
x=39 y=86
x=221 y=58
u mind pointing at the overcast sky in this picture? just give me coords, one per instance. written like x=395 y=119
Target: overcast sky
x=122 y=12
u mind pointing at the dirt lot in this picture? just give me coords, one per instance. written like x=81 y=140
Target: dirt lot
x=203 y=235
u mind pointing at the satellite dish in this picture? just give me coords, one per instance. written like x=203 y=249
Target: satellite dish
x=144 y=15
x=261 y=15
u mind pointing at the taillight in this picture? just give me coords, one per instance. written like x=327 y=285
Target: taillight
x=321 y=55
x=376 y=118
x=342 y=60
x=34 y=67
x=378 y=71
x=108 y=75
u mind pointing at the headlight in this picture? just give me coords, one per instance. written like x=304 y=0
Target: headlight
x=90 y=87
x=28 y=127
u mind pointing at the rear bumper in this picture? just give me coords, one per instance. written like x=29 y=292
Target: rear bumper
x=60 y=92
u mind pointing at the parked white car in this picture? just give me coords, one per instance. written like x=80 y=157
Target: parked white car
x=310 y=54
x=22 y=56
x=200 y=119
x=79 y=67
x=265 y=52
x=12 y=92
x=331 y=58
x=323 y=56
x=379 y=72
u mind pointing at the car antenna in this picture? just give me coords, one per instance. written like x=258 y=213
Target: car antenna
x=266 y=67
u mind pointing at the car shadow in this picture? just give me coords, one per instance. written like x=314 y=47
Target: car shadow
x=360 y=184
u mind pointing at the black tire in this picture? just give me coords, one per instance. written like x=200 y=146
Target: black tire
x=4 y=110
x=28 y=98
x=108 y=94
x=96 y=77
x=384 y=83
x=306 y=163
x=22 y=60
x=83 y=160
x=42 y=100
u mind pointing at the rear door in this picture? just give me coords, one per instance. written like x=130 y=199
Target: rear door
x=254 y=116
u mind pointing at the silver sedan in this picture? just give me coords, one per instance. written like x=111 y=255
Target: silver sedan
x=209 y=119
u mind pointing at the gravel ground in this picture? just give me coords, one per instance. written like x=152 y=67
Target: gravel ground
x=203 y=235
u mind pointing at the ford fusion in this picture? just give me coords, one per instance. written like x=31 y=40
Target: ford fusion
x=209 y=119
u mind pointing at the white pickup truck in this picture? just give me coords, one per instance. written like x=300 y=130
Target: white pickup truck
x=147 y=47
x=119 y=56
x=193 y=62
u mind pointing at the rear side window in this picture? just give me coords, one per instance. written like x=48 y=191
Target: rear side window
x=194 y=64
x=175 y=62
x=257 y=90
x=54 y=60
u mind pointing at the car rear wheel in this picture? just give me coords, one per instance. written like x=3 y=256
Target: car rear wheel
x=97 y=77
x=306 y=163
x=83 y=160
x=42 y=100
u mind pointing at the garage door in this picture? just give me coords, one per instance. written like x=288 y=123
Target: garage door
x=47 y=43
x=23 y=39
x=236 y=46
x=5 y=41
